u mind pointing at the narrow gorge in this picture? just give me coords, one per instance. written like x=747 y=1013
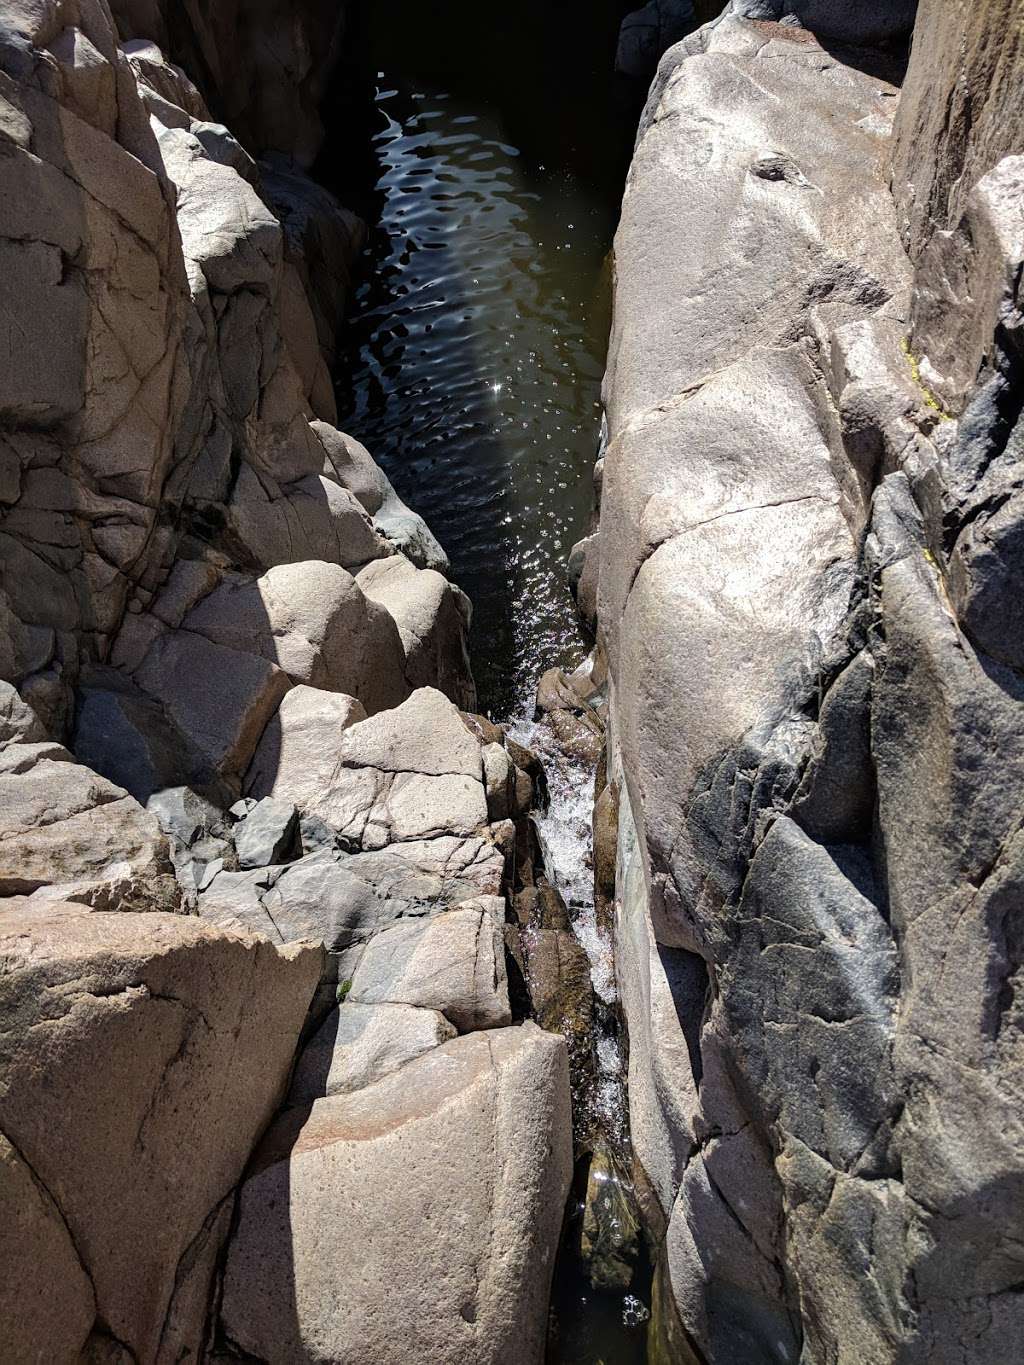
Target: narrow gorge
x=512 y=682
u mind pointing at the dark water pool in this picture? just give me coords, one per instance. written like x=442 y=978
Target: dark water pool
x=474 y=349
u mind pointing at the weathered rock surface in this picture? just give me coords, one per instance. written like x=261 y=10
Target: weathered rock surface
x=118 y=1177
x=359 y=1044
x=468 y=1153
x=66 y=829
x=216 y=601
x=808 y=570
x=453 y=963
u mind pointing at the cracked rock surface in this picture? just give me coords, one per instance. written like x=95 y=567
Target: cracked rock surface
x=805 y=575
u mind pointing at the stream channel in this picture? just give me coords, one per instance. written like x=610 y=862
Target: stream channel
x=491 y=169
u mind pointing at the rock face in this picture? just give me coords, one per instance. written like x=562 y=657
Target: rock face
x=173 y=501
x=118 y=1177
x=230 y=672
x=807 y=580
x=453 y=1253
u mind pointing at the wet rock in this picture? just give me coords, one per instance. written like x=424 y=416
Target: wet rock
x=452 y=962
x=487 y=1119
x=136 y=1157
x=562 y=1001
x=610 y=1239
x=359 y=1044
x=565 y=702
x=605 y=837
x=267 y=835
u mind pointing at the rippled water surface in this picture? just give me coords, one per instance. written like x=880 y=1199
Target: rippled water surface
x=475 y=346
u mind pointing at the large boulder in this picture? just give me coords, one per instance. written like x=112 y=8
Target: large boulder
x=448 y=1181
x=359 y=1044
x=300 y=750
x=314 y=622
x=432 y=618
x=141 y=1057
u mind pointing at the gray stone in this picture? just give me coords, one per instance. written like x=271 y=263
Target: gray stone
x=300 y=751
x=354 y=468
x=267 y=835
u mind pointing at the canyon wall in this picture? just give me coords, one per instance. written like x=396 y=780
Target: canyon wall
x=255 y=848
x=806 y=582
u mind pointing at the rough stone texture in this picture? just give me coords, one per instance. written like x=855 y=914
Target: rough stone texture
x=432 y=618
x=68 y=830
x=157 y=407
x=314 y=622
x=808 y=601
x=359 y=1044
x=262 y=64
x=468 y=1153
x=453 y=962
x=960 y=111
x=119 y=1171
x=268 y=834
x=864 y=22
x=300 y=749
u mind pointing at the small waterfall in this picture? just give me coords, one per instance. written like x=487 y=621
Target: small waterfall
x=597 y=1313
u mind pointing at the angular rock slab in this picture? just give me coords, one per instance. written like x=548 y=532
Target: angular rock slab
x=453 y=962
x=141 y=1057
x=300 y=750
x=415 y=1221
x=359 y=1044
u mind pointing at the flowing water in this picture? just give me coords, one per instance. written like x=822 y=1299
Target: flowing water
x=471 y=368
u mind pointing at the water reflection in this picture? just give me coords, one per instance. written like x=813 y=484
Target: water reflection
x=473 y=359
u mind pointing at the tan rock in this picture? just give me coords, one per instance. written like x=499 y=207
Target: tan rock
x=432 y=618
x=359 y=1044
x=313 y=621
x=301 y=747
x=140 y=1058
x=64 y=827
x=449 y=1178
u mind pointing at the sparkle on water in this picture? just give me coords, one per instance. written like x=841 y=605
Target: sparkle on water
x=473 y=361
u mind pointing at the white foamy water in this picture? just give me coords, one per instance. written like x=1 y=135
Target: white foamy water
x=566 y=837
